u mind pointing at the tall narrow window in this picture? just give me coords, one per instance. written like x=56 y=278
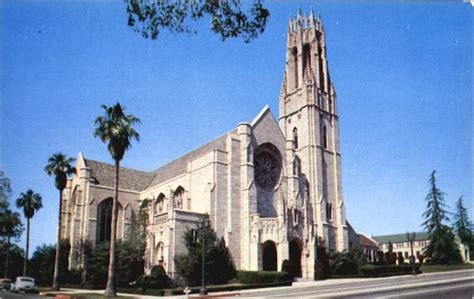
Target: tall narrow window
x=294 y=53
x=321 y=70
x=325 y=137
x=104 y=217
x=295 y=137
x=329 y=211
x=306 y=58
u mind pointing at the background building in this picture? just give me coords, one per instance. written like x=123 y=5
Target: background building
x=401 y=246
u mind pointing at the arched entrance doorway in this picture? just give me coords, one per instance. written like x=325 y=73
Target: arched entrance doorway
x=295 y=257
x=269 y=256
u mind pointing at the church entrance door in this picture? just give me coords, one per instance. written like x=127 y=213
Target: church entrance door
x=295 y=257
x=269 y=256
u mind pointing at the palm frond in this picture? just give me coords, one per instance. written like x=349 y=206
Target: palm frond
x=116 y=130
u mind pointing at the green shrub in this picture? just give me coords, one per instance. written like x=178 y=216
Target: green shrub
x=286 y=267
x=347 y=262
x=387 y=270
x=156 y=280
x=321 y=266
x=256 y=277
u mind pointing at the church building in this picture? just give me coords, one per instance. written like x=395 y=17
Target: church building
x=271 y=187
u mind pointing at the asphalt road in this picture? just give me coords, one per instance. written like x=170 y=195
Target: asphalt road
x=452 y=285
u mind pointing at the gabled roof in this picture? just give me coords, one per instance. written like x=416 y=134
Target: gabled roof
x=367 y=241
x=140 y=180
x=400 y=238
x=260 y=115
x=130 y=179
x=179 y=166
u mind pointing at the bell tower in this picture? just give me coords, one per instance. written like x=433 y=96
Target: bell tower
x=310 y=123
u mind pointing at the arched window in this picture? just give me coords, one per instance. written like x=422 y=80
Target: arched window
x=295 y=137
x=325 y=137
x=294 y=53
x=160 y=203
x=104 y=220
x=179 y=197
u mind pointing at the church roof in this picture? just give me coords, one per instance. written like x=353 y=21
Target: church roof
x=140 y=180
x=179 y=166
x=130 y=179
x=400 y=238
x=366 y=241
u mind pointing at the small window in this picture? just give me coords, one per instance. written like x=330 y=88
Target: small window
x=295 y=137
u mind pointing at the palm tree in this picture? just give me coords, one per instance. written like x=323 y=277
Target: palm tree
x=60 y=167
x=30 y=202
x=116 y=130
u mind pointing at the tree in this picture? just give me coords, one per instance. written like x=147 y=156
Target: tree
x=442 y=248
x=14 y=257
x=227 y=17
x=462 y=225
x=43 y=261
x=116 y=130
x=30 y=202
x=129 y=266
x=219 y=265
x=5 y=191
x=60 y=167
x=10 y=228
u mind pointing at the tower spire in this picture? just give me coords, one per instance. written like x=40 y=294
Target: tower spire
x=312 y=20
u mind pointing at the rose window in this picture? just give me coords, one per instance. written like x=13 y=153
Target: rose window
x=267 y=170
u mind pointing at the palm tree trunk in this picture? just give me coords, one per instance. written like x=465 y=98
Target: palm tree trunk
x=111 y=289
x=7 y=257
x=25 y=264
x=58 y=245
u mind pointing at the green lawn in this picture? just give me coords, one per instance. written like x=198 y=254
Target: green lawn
x=441 y=268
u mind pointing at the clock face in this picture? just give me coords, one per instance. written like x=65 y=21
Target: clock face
x=267 y=170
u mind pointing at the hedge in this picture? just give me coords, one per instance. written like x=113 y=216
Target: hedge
x=387 y=270
x=253 y=277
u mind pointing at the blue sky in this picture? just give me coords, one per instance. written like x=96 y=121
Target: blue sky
x=403 y=74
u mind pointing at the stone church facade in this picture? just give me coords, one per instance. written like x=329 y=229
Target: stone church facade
x=271 y=187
